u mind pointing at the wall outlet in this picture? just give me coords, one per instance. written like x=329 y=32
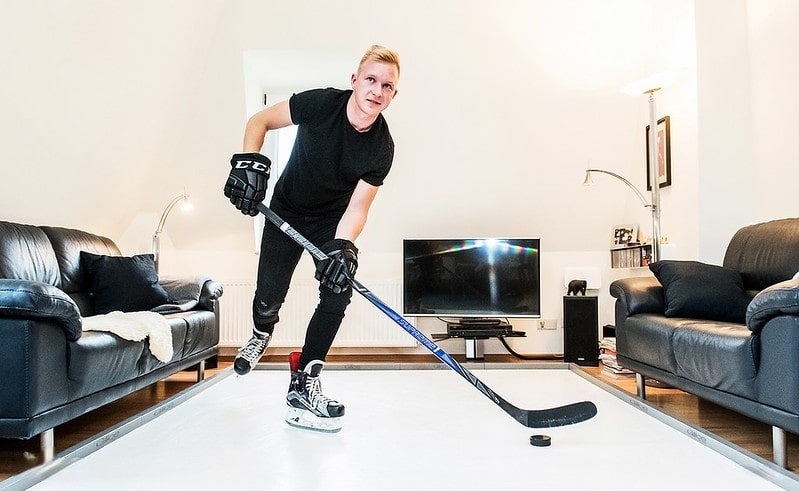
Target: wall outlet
x=547 y=324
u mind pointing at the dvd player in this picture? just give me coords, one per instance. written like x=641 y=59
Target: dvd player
x=461 y=331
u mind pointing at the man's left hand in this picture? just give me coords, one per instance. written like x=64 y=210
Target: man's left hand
x=341 y=264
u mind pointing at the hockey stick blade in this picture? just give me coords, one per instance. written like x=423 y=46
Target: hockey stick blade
x=531 y=418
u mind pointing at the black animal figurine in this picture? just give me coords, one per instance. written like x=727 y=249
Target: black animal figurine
x=576 y=286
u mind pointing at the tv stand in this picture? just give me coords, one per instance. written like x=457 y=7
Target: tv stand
x=475 y=333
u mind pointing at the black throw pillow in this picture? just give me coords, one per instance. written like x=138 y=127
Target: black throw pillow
x=702 y=291
x=128 y=284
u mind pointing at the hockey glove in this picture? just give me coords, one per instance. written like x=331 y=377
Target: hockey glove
x=341 y=262
x=246 y=185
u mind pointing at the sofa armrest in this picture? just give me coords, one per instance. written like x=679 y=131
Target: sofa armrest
x=189 y=293
x=211 y=292
x=639 y=295
x=33 y=299
x=777 y=300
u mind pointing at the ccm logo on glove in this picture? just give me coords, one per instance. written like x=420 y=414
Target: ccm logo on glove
x=254 y=165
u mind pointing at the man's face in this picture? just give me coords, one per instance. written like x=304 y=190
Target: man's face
x=374 y=86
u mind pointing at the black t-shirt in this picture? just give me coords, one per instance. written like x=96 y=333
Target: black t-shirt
x=329 y=156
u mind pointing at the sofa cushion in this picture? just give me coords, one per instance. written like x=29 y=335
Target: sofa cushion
x=764 y=253
x=178 y=329
x=26 y=254
x=647 y=338
x=701 y=291
x=201 y=332
x=99 y=360
x=127 y=284
x=716 y=354
x=68 y=244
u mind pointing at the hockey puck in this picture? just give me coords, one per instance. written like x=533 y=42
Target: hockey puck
x=540 y=440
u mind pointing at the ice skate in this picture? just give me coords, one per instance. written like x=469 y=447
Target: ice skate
x=249 y=354
x=308 y=408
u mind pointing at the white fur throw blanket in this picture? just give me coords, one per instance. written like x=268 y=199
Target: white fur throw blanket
x=135 y=326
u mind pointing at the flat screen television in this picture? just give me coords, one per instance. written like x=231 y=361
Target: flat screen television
x=472 y=277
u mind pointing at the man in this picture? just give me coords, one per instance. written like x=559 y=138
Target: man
x=342 y=153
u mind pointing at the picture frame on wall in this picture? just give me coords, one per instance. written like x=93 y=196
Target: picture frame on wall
x=624 y=235
x=664 y=153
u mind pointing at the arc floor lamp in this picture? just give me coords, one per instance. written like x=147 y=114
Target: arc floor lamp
x=650 y=86
x=185 y=206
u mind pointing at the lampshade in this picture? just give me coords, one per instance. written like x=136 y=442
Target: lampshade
x=650 y=84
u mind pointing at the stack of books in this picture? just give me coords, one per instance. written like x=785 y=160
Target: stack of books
x=607 y=357
x=631 y=256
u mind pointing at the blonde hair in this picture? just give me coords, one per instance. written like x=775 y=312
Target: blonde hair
x=380 y=54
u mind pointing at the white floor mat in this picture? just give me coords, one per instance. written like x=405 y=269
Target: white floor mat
x=403 y=430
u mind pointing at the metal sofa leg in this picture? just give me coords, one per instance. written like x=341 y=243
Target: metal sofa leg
x=201 y=371
x=47 y=445
x=640 y=385
x=779 y=442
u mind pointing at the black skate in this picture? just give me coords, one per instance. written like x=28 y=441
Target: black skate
x=249 y=354
x=308 y=407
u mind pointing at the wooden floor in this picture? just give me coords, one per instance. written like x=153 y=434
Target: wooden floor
x=19 y=455
x=738 y=429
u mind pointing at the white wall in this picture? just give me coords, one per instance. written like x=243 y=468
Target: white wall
x=123 y=104
x=775 y=104
x=747 y=115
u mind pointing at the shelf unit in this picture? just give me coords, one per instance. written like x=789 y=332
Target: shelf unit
x=636 y=256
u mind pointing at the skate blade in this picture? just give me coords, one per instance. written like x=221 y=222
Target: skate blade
x=306 y=420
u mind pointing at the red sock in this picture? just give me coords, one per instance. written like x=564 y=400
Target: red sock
x=294 y=361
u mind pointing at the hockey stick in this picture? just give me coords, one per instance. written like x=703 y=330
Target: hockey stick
x=531 y=418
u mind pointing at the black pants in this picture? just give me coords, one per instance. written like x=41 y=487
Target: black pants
x=279 y=258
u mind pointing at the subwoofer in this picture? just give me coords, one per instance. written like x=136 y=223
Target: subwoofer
x=581 y=330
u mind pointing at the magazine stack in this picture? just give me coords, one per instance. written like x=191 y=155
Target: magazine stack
x=607 y=357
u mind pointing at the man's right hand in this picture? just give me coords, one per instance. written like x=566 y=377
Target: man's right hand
x=246 y=185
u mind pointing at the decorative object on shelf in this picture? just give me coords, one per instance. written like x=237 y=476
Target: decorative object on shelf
x=577 y=286
x=185 y=206
x=625 y=235
x=663 y=153
x=591 y=274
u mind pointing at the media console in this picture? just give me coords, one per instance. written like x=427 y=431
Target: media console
x=475 y=331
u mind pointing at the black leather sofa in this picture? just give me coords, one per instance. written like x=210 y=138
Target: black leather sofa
x=51 y=370
x=727 y=334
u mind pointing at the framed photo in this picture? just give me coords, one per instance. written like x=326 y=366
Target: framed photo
x=625 y=235
x=664 y=153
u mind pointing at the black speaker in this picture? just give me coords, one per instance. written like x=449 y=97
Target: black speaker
x=581 y=330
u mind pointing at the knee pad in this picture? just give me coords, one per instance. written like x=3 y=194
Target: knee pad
x=334 y=303
x=264 y=316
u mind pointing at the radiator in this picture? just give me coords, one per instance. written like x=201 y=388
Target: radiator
x=364 y=325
